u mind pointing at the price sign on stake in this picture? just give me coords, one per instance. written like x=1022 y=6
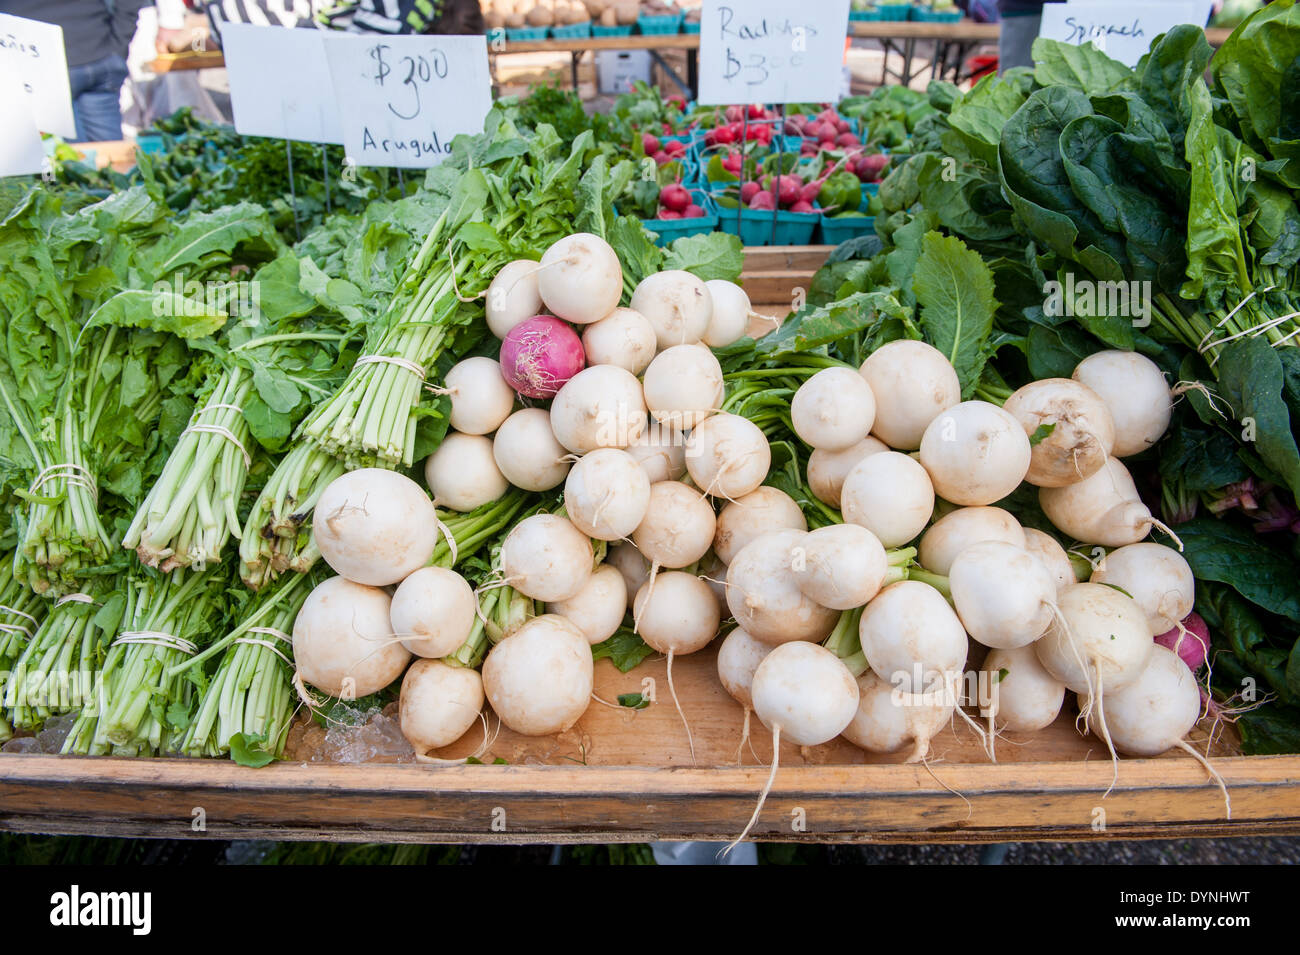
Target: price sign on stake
x=21 y=153
x=1123 y=31
x=772 y=51
x=280 y=83
x=402 y=99
x=34 y=53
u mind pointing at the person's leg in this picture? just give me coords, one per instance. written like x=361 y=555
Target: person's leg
x=96 y=94
x=1016 y=39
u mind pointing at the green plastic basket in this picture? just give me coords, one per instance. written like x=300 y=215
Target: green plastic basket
x=835 y=230
x=668 y=230
x=572 y=31
x=864 y=16
x=660 y=25
x=894 y=12
x=689 y=27
x=623 y=30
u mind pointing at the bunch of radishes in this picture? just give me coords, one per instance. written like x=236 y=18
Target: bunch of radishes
x=663 y=151
x=676 y=202
x=743 y=124
x=827 y=130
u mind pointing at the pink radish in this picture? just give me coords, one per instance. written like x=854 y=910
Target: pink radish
x=539 y=355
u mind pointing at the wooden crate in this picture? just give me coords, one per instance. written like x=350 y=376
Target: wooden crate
x=624 y=775
x=774 y=275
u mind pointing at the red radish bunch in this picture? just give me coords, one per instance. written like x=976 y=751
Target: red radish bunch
x=868 y=168
x=675 y=202
x=664 y=152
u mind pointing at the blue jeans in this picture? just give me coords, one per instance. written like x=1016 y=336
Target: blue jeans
x=96 y=91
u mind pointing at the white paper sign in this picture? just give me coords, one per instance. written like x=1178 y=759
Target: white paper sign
x=402 y=99
x=280 y=83
x=21 y=153
x=772 y=51
x=34 y=52
x=1123 y=31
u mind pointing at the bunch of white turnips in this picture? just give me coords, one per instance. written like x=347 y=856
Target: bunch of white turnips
x=625 y=400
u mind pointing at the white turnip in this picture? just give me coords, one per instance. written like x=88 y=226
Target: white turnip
x=1047 y=549
x=480 y=397
x=1003 y=595
x=438 y=704
x=1102 y=509
x=975 y=453
x=539 y=679
x=343 y=640
x=678 y=527
x=1022 y=696
x=912 y=383
x=675 y=614
x=833 y=410
x=598 y=608
x=632 y=564
x=624 y=338
x=759 y=512
x=728 y=456
x=888 y=719
x=738 y=658
x=600 y=407
x=958 y=529
x=1157 y=577
x=1135 y=392
x=526 y=451
x=804 y=693
x=890 y=495
x=546 y=558
x=731 y=312
x=911 y=637
x=375 y=526
x=1074 y=428
x=512 y=297
x=580 y=278
x=843 y=566
x=463 y=473
x=606 y=494
x=764 y=596
x=661 y=452
x=433 y=612
x=678 y=305
x=683 y=386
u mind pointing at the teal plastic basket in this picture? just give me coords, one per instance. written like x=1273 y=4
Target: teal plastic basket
x=923 y=14
x=755 y=226
x=864 y=16
x=524 y=34
x=836 y=230
x=894 y=12
x=689 y=27
x=623 y=30
x=661 y=25
x=572 y=31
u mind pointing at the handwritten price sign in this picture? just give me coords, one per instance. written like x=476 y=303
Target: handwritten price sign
x=402 y=99
x=34 y=54
x=771 y=51
x=1123 y=31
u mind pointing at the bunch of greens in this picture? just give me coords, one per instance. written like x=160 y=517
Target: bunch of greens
x=21 y=613
x=141 y=705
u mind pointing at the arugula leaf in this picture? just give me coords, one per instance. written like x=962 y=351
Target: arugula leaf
x=955 y=291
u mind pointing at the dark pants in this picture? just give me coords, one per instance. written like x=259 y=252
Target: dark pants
x=96 y=91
